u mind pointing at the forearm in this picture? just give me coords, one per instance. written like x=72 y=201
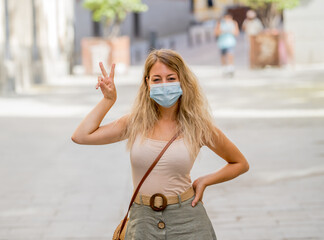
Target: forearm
x=228 y=172
x=92 y=121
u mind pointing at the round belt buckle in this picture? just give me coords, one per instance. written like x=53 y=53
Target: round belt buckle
x=164 y=203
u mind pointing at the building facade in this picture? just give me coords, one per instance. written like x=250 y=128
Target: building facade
x=40 y=40
x=37 y=42
x=210 y=9
x=164 y=17
x=2 y=45
x=305 y=23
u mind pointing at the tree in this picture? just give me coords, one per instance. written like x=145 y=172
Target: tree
x=270 y=11
x=112 y=13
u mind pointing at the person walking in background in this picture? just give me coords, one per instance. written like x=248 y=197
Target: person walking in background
x=226 y=32
x=252 y=25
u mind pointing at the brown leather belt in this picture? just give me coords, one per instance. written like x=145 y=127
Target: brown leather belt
x=159 y=202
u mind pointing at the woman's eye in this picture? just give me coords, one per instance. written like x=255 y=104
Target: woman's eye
x=156 y=80
x=172 y=79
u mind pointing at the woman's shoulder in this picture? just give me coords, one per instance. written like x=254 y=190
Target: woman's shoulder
x=124 y=120
x=122 y=123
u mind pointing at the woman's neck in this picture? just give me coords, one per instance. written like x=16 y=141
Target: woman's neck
x=169 y=114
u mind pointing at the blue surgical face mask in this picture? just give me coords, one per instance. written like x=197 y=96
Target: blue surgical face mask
x=166 y=94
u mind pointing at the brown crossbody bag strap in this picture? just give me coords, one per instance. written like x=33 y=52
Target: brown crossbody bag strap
x=145 y=176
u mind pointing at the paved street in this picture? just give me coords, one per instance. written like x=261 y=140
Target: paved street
x=52 y=188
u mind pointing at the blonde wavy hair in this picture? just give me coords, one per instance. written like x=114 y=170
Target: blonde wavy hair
x=193 y=115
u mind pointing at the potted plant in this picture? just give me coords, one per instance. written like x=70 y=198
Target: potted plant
x=273 y=46
x=115 y=48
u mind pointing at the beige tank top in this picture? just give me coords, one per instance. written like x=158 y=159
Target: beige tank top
x=171 y=175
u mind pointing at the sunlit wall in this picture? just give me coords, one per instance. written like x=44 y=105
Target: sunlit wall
x=2 y=39
x=39 y=42
x=306 y=23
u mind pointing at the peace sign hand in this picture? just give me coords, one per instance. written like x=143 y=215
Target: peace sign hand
x=106 y=83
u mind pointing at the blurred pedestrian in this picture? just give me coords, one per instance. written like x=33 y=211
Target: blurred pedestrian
x=226 y=31
x=169 y=103
x=252 y=25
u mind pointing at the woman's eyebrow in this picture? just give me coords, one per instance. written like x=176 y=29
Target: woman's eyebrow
x=167 y=75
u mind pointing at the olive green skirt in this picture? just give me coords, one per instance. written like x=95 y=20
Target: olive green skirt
x=176 y=222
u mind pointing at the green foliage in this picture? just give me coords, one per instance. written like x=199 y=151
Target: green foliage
x=113 y=10
x=270 y=10
x=280 y=4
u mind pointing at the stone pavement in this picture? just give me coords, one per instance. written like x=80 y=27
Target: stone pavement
x=54 y=189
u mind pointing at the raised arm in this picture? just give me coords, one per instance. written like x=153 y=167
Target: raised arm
x=89 y=131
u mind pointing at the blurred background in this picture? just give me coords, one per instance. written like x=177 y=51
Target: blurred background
x=270 y=103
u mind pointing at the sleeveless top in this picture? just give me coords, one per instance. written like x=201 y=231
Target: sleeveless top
x=226 y=39
x=170 y=176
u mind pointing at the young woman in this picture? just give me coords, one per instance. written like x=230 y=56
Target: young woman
x=169 y=101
